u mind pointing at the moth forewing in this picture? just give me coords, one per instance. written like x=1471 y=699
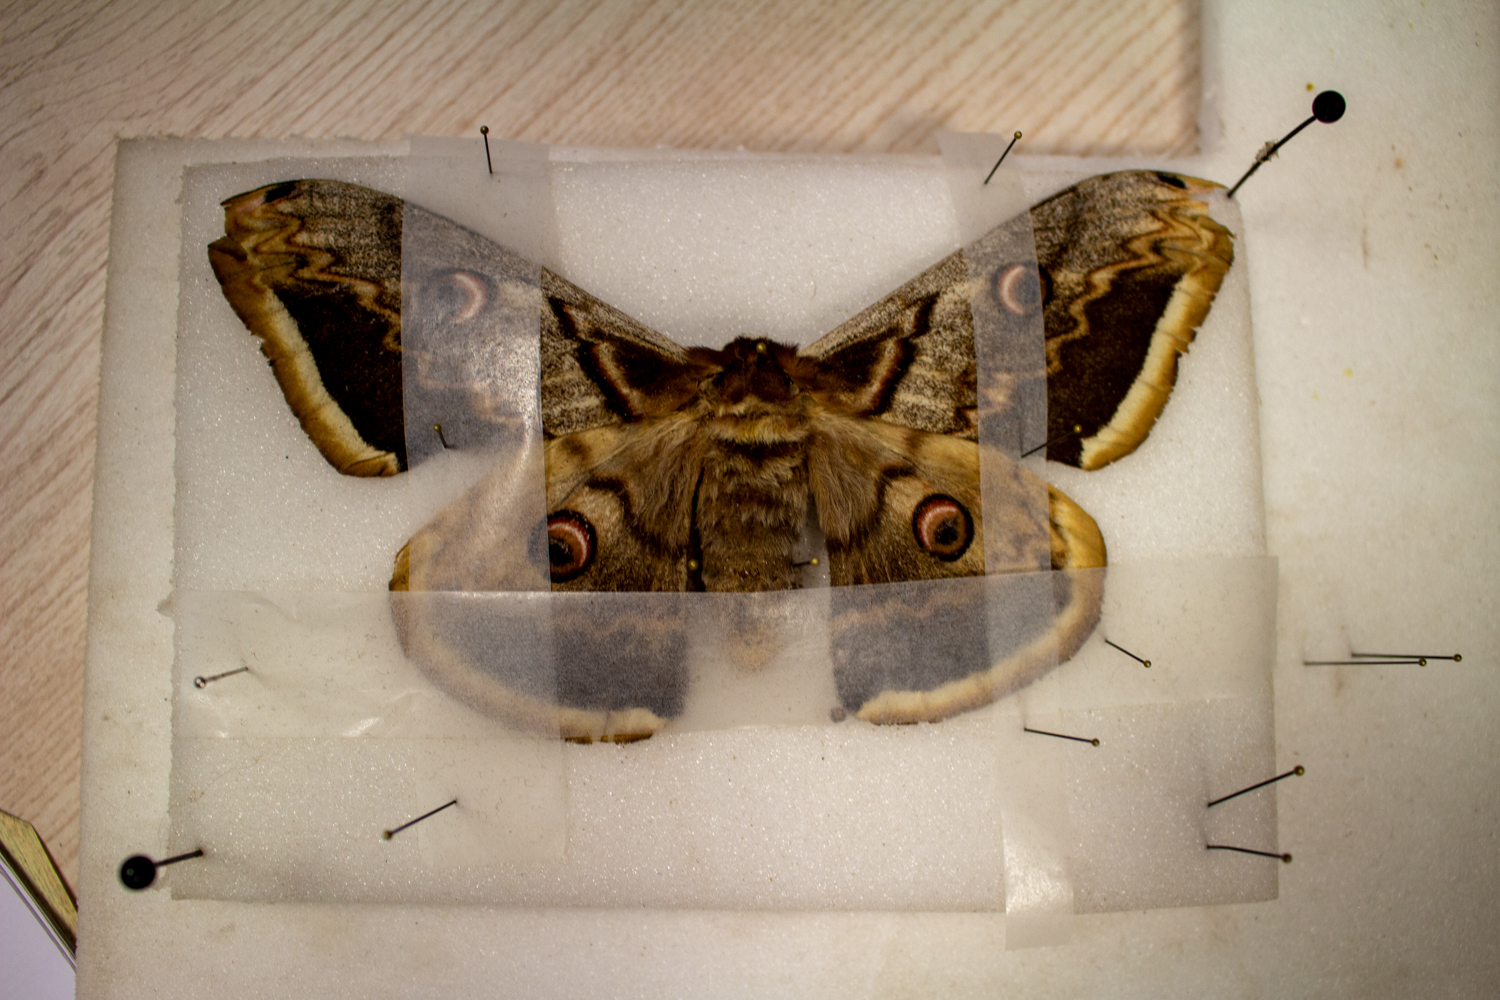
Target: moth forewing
x=1130 y=265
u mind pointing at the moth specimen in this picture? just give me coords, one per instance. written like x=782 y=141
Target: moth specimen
x=672 y=470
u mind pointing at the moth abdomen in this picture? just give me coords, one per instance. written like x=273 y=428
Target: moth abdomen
x=748 y=513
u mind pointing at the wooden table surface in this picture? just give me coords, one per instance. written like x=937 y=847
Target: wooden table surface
x=1103 y=77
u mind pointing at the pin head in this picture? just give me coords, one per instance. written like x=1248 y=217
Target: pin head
x=138 y=872
x=485 y=129
x=1328 y=106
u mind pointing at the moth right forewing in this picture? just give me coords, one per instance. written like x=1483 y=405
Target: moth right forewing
x=1133 y=262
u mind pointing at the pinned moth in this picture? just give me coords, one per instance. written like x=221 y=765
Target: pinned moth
x=672 y=470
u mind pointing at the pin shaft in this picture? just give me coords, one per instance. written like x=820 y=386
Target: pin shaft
x=181 y=857
x=199 y=682
x=1062 y=736
x=1298 y=770
x=138 y=872
x=1362 y=663
x=1077 y=429
x=1144 y=663
x=1456 y=657
x=484 y=130
x=1283 y=858
x=1326 y=107
x=1002 y=158
x=388 y=834
x=1265 y=155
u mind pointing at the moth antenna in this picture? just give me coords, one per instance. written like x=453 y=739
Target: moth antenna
x=1327 y=107
x=1002 y=157
x=484 y=130
x=388 y=834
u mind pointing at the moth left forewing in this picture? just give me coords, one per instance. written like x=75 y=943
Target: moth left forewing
x=313 y=268
x=601 y=367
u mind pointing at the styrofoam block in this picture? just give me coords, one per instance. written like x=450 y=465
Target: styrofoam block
x=704 y=248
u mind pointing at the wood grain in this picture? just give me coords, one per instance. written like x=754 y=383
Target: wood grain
x=1083 y=77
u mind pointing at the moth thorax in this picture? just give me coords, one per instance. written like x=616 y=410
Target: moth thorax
x=753 y=375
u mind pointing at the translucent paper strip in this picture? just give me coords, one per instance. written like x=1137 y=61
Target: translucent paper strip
x=1124 y=824
x=300 y=708
x=302 y=665
x=471 y=297
x=625 y=665
x=1208 y=626
x=1039 y=889
x=1005 y=301
x=1139 y=817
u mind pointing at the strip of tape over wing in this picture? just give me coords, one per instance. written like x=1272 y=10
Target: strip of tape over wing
x=468 y=583
x=1005 y=299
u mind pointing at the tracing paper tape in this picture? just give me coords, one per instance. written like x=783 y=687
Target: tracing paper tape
x=776 y=658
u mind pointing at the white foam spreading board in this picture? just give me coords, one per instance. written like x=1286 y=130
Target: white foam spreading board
x=825 y=860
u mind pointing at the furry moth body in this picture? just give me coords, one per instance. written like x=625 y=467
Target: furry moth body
x=673 y=470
